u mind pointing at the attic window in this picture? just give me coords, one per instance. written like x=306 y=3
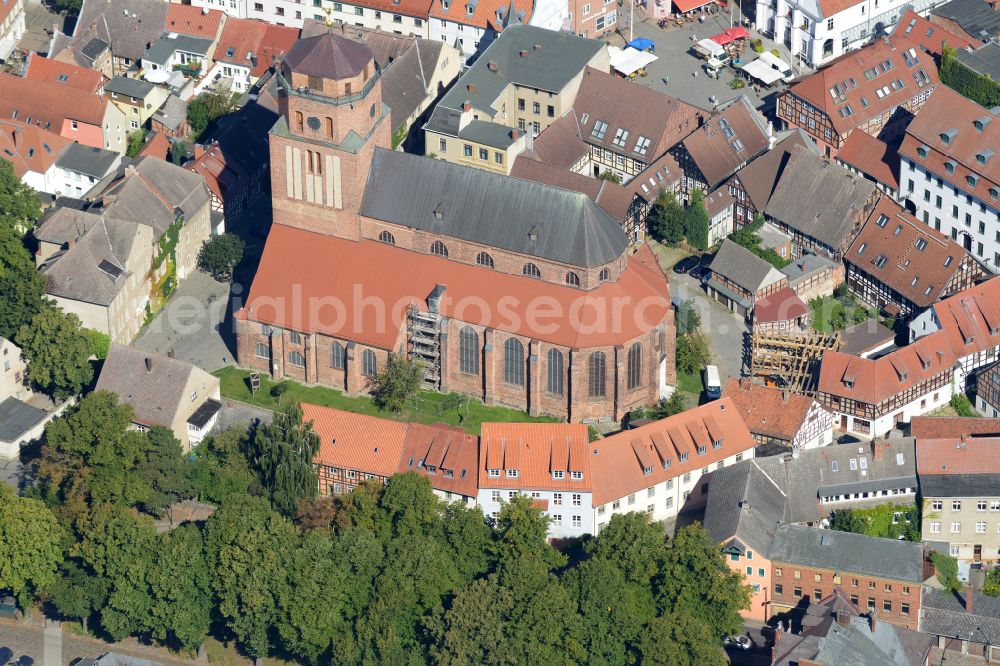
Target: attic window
x=621 y=136
x=576 y=476
x=949 y=166
x=31 y=152
x=584 y=118
x=898 y=230
x=921 y=244
x=922 y=151
x=854 y=465
x=927 y=291
x=230 y=52
x=994 y=192
x=882 y=220
x=702 y=450
x=972 y=179
x=834 y=466
x=946 y=137
x=558 y=474
x=642 y=145
x=600 y=129
x=717 y=444
x=494 y=473
x=947 y=262
x=666 y=463
x=439 y=213
x=683 y=457
x=647 y=471
x=913 y=282
x=726 y=129
x=63 y=78
x=880 y=261
x=512 y=474
x=737 y=145
x=863 y=462
x=981 y=123
x=862 y=248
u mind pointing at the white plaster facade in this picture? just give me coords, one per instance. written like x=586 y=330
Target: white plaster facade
x=11 y=28
x=12 y=367
x=570 y=512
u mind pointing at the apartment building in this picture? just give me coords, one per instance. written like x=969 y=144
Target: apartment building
x=13 y=383
x=876 y=90
x=12 y=25
x=124 y=29
x=960 y=488
x=32 y=152
x=792 y=420
x=246 y=50
x=137 y=99
x=471 y=25
x=40 y=68
x=950 y=176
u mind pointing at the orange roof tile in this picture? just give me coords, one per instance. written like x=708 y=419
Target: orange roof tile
x=276 y=42
x=769 y=412
x=158 y=146
x=194 y=21
x=295 y=271
x=48 y=103
x=242 y=37
x=356 y=441
x=620 y=463
x=958 y=455
x=970 y=320
x=44 y=69
x=533 y=452
x=929 y=35
x=943 y=427
x=782 y=305
x=29 y=148
x=446 y=455
x=484 y=13
x=6 y=7
x=872 y=156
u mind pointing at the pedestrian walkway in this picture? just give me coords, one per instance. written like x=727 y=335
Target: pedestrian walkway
x=52 y=646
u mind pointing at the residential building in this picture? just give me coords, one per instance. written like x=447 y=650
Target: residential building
x=820 y=204
x=405 y=17
x=975 y=20
x=357 y=447
x=902 y=267
x=549 y=463
x=12 y=25
x=873 y=159
x=625 y=137
x=229 y=185
x=97 y=268
x=174 y=51
x=594 y=19
x=13 y=383
x=73 y=114
x=657 y=467
x=82 y=169
x=958 y=484
x=194 y=21
x=752 y=185
x=40 y=68
x=739 y=278
x=20 y=423
x=834 y=631
x=467 y=25
x=949 y=173
x=782 y=311
x=963 y=622
x=878 y=575
x=31 y=151
x=137 y=99
x=982 y=61
x=456 y=235
x=795 y=421
x=813 y=276
x=987 y=391
x=246 y=50
x=171 y=118
x=931 y=34
x=726 y=142
x=125 y=27
x=719 y=208
x=524 y=81
x=876 y=90
x=162 y=391
x=867 y=339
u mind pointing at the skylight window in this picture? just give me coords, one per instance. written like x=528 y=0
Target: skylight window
x=921 y=244
x=642 y=145
x=726 y=129
x=600 y=129
x=947 y=262
x=882 y=220
x=620 y=137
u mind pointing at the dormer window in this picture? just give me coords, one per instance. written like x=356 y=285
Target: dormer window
x=666 y=463
x=494 y=473
x=849 y=383
x=717 y=444
x=946 y=137
x=683 y=457
x=576 y=476
x=449 y=474
x=994 y=192
x=558 y=474
x=972 y=179
x=512 y=474
x=431 y=469
x=469 y=9
x=949 y=166
x=647 y=471
x=702 y=450
x=984 y=156
x=981 y=122
x=922 y=151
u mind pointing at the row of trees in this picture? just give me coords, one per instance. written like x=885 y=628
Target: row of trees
x=386 y=574
x=670 y=223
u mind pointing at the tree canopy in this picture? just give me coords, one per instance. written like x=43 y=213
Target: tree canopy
x=58 y=352
x=220 y=255
x=396 y=383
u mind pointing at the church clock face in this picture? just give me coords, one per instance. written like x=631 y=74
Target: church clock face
x=313 y=122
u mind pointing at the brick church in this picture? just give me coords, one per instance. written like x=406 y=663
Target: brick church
x=511 y=291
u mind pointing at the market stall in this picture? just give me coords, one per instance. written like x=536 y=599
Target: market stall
x=762 y=72
x=629 y=62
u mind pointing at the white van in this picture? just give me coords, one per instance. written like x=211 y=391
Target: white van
x=778 y=65
x=713 y=387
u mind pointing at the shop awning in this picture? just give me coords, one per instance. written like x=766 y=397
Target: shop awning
x=629 y=61
x=762 y=72
x=730 y=35
x=685 y=6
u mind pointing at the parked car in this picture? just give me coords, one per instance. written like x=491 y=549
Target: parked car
x=699 y=272
x=737 y=642
x=686 y=264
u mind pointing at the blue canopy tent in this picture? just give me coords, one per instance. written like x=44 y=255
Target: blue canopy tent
x=643 y=44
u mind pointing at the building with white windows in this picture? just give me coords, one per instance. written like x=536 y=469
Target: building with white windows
x=12 y=25
x=472 y=25
x=950 y=174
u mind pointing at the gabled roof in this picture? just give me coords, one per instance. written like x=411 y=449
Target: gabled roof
x=819 y=198
x=533 y=451
x=88 y=160
x=219 y=173
x=848 y=553
x=744 y=507
x=129 y=26
x=970 y=320
x=928 y=35
x=193 y=21
x=45 y=69
x=29 y=148
x=727 y=140
x=873 y=157
x=866 y=83
x=17 y=418
x=130 y=87
x=561 y=144
x=941 y=427
x=48 y=104
x=637 y=121
x=328 y=56
x=769 y=412
x=614 y=199
x=173 y=112
x=164 y=48
x=761 y=176
x=63 y=224
x=909 y=257
x=959 y=456
x=978 y=18
x=446 y=455
x=482 y=13
x=743 y=267
x=152 y=384
x=490 y=209
x=151 y=191
x=356 y=441
x=621 y=463
x=943 y=612
x=253 y=44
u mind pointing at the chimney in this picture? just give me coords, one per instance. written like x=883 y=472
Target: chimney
x=129 y=171
x=878 y=450
x=844 y=618
x=969 y=595
x=777 y=639
x=771 y=139
x=149 y=364
x=492 y=66
x=515 y=134
x=199 y=150
x=523 y=53
x=471 y=87
x=537 y=47
x=467 y=106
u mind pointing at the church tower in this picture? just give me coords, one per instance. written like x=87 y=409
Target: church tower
x=332 y=119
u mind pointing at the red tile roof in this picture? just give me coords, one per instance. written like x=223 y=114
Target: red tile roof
x=782 y=305
x=619 y=463
x=828 y=8
x=446 y=455
x=947 y=112
x=218 y=173
x=243 y=37
x=29 y=148
x=970 y=320
x=50 y=104
x=296 y=269
x=44 y=69
x=484 y=14
x=769 y=412
x=868 y=97
x=958 y=455
x=276 y=42
x=158 y=146
x=872 y=156
x=714 y=147
x=943 y=427
x=919 y=262
x=356 y=441
x=929 y=35
x=561 y=143
x=6 y=7
x=533 y=451
x=194 y=21
x=417 y=8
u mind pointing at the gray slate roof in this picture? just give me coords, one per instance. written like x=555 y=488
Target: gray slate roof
x=76 y=273
x=743 y=267
x=491 y=209
x=405 y=81
x=63 y=224
x=819 y=198
x=154 y=394
x=17 y=418
x=985 y=60
x=172 y=113
x=88 y=160
x=123 y=85
x=743 y=502
x=942 y=612
x=847 y=552
x=561 y=57
x=806 y=266
x=150 y=195
x=169 y=43
x=960 y=485
x=128 y=34
x=976 y=17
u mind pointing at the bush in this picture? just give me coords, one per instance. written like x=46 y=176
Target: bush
x=666 y=220
x=692 y=353
x=991 y=587
x=99 y=343
x=610 y=176
x=757 y=45
x=280 y=389
x=136 y=142
x=736 y=84
x=947 y=570
x=775 y=53
x=980 y=89
x=962 y=405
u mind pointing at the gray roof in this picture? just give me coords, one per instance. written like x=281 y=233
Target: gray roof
x=60 y=225
x=129 y=26
x=976 y=17
x=17 y=418
x=960 y=485
x=743 y=502
x=88 y=160
x=150 y=194
x=559 y=58
x=743 y=267
x=93 y=269
x=155 y=393
x=172 y=113
x=806 y=266
x=849 y=553
x=329 y=56
x=984 y=60
x=170 y=43
x=405 y=81
x=123 y=85
x=490 y=209
x=488 y=134
x=94 y=48
x=819 y=198
x=864 y=337
x=942 y=612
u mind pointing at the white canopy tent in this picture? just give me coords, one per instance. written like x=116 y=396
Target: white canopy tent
x=761 y=71
x=709 y=48
x=629 y=61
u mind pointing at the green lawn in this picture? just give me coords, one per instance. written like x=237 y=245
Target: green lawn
x=834 y=314
x=690 y=383
x=427 y=407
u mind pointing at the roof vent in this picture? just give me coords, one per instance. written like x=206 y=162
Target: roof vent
x=471 y=87
x=523 y=53
x=824 y=540
x=492 y=65
x=537 y=47
x=467 y=106
x=149 y=364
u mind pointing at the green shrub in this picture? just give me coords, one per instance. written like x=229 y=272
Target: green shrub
x=962 y=405
x=279 y=389
x=947 y=570
x=99 y=342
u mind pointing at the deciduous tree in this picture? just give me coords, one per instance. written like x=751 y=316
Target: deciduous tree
x=30 y=545
x=220 y=255
x=282 y=453
x=397 y=383
x=57 y=351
